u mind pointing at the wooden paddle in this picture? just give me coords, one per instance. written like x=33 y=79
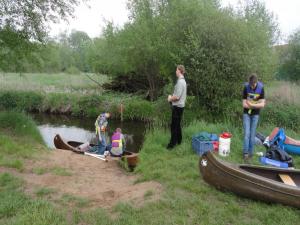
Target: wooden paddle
x=96 y=156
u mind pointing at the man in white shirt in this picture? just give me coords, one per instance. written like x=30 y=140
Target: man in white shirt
x=178 y=102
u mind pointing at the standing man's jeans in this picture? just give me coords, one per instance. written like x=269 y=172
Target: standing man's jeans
x=101 y=146
x=176 y=134
x=250 y=124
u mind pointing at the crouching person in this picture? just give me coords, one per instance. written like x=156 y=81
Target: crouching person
x=117 y=143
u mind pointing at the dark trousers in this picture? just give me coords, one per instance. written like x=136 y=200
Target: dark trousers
x=176 y=134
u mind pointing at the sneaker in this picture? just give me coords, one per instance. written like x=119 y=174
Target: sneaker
x=92 y=150
x=106 y=153
x=246 y=158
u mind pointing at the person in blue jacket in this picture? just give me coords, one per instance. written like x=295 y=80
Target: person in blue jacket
x=101 y=124
x=253 y=102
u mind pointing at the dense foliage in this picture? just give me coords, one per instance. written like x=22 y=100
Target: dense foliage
x=218 y=46
x=290 y=59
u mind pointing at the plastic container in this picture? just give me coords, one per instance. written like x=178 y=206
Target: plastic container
x=200 y=147
x=224 y=144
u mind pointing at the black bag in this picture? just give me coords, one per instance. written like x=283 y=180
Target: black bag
x=261 y=137
x=276 y=153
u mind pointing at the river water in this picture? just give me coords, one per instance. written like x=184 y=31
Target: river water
x=83 y=130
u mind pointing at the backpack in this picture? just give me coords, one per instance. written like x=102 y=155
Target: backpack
x=276 y=153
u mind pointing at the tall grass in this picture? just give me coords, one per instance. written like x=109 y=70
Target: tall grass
x=284 y=92
x=19 y=139
x=52 y=83
x=135 y=108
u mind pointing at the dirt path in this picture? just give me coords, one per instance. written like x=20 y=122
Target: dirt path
x=103 y=183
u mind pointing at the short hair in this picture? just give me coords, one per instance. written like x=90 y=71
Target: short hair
x=119 y=130
x=181 y=69
x=253 y=78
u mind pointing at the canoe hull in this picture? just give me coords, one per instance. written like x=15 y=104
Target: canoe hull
x=59 y=143
x=241 y=180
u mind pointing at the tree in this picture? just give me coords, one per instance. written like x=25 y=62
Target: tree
x=23 y=22
x=79 y=43
x=290 y=59
x=30 y=17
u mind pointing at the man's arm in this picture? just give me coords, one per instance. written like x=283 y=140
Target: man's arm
x=259 y=105
x=172 y=98
x=245 y=104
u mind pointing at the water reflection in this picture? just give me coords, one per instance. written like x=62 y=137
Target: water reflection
x=83 y=130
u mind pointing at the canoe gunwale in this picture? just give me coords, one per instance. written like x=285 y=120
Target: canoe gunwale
x=230 y=177
x=269 y=182
x=131 y=157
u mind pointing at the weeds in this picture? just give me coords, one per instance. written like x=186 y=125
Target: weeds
x=42 y=192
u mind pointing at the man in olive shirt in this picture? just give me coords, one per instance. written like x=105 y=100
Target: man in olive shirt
x=178 y=102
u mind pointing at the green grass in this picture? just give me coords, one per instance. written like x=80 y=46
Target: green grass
x=19 y=125
x=19 y=140
x=186 y=198
x=52 y=83
x=40 y=171
x=16 y=208
x=148 y=194
x=42 y=192
x=75 y=200
x=60 y=171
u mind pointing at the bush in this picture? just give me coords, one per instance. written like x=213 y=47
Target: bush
x=28 y=101
x=72 y=70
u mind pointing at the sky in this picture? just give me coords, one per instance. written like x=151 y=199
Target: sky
x=90 y=17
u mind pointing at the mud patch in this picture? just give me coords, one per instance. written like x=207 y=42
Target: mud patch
x=102 y=184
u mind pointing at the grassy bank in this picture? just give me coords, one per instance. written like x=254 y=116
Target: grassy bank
x=85 y=105
x=279 y=113
x=79 y=96
x=16 y=208
x=19 y=139
x=186 y=198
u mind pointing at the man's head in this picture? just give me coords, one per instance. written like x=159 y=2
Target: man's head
x=119 y=130
x=180 y=70
x=253 y=80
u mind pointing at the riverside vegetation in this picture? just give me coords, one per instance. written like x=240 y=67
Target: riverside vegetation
x=70 y=96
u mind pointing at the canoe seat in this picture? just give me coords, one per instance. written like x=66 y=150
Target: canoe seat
x=287 y=179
